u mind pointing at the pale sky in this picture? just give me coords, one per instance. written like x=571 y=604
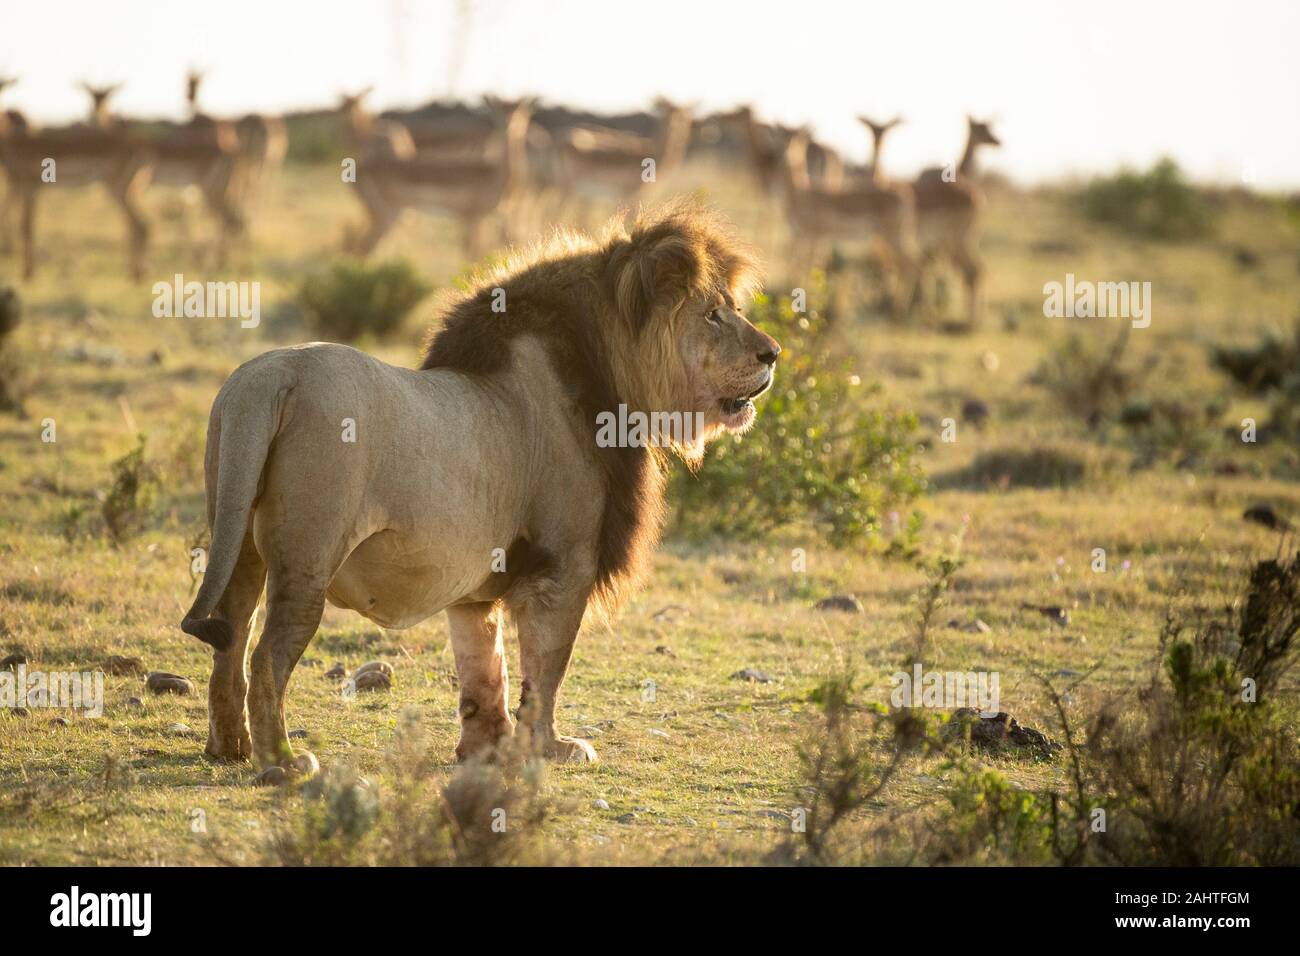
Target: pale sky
x=1073 y=87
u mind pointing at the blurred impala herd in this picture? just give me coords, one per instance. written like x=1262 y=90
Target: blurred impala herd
x=503 y=172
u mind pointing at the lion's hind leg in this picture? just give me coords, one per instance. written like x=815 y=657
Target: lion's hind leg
x=228 y=737
x=292 y=617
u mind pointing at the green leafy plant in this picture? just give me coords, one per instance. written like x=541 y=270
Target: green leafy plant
x=352 y=299
x=131 y=497
x=1157 y=204
x=819 y=452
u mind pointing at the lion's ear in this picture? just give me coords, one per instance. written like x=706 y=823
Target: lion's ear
x=652 y=270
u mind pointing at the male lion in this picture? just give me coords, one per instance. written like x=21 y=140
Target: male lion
x=333 y=476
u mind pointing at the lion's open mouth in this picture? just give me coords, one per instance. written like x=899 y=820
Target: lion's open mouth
x=738 y=412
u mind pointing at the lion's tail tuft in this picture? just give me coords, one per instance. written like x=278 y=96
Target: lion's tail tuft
x=245 y=418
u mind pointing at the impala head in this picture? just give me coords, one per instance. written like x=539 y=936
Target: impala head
x=353 y=109
x=99 y=97
x=10 y=120
x=511 y=115
x=981 y=133
x=193 y=80
x=744 y=115
x=878 y=130
x=675 y=128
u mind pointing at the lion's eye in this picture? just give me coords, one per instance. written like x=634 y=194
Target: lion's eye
x=715 y=316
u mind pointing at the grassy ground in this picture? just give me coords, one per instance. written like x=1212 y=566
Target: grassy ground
x=707 y=763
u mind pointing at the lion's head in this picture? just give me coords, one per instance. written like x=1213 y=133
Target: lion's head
x=678 y=279
x=648 y=318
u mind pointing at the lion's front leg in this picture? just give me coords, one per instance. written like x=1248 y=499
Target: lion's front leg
x=481 y=670
x=546 y=636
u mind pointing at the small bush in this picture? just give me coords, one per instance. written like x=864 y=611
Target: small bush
x=1089 y=379
x=1041 y=467
x=817 y=453
x=848 y=759
x=486 y=814
x=1206 y=771
x=1156 y=204
x=14 y=381
x=131 y=497
x=352 y=299
x=1263 y=366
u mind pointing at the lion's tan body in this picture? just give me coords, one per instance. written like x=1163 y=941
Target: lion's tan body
x=412 y=548
x=473 y=485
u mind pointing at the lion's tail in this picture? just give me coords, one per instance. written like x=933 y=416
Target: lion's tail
x=247 y=411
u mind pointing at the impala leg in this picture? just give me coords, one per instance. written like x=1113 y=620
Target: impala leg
x=27 y=230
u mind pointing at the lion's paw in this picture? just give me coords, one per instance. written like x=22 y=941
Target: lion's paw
x=569 y=750
x=229 y=749
x=303 y=766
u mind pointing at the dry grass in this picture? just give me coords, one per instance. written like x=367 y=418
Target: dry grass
x=709 y=769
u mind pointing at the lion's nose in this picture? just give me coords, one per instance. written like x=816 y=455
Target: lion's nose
x=769 y=357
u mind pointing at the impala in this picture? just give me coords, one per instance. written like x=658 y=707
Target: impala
x=861 y=210
x=393 y=176
x=599 y=164
x=949 y=206
x=878 y=133
x=98 y=151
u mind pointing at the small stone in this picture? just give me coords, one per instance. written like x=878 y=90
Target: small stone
x=1263 y=514
x=297 y=734
x=310 y=662
x=337 y=671
x=600 y=804
x=654 y=732
x=840 y=602
x=752 y=674
x=160 y=682
x=134 y=703
x=999 y=731
x=1068 y=672
x=373 y=680
x=627 y=818
x=59 y=722
x=271 y=777
x=374 y=667
x=1058 y=615
x=588 y=731
x=179 y=729
x=774 y=814
x=671 y=612
x=975 y=411
x=20 y=712
x=665 y=650
x=12 y=661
